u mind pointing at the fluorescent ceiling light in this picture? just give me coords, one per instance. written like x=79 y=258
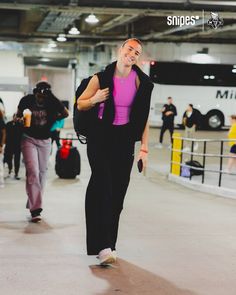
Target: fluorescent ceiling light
x=61 y=38
x=234 y=71
x=52 y=45
x=91 y=19
x=44 y=59
x=74 y=31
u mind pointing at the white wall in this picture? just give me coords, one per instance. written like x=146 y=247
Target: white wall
x=187 y=52
x=12 y=65
x=99 y=58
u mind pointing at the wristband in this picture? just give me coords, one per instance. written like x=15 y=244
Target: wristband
x=144 y=151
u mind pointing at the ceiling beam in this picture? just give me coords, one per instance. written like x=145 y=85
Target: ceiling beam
x=111 y=11
x=118 y=21
x=173 y=30
x=209 y=32
x=49 y=36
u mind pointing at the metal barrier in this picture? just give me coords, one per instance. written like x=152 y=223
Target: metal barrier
x=178 y=152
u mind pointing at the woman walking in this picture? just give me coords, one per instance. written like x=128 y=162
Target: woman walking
x=121 y=98
x=40 y=110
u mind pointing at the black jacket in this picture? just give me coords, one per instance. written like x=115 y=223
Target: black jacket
x=13 y=138
x=192 y=120
x=141 y=105
x=170 y=118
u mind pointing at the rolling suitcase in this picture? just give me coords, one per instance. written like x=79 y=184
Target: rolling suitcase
x=67 y=160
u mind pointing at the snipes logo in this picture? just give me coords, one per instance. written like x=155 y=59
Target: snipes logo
x=215 y=21
x=181 y=20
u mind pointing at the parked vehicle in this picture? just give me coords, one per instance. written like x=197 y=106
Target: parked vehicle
x=211 y=88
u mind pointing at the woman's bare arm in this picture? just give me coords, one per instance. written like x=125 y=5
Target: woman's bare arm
x=92 y=95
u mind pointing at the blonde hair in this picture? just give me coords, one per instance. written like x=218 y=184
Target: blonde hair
x=132 y=39
x=233 y=117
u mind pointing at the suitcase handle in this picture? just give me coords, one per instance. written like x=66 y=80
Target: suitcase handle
x=82 y=140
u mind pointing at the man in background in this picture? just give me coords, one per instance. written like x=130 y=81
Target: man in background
x=12 y=148
x=168 y=114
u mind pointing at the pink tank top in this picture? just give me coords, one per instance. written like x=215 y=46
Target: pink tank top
x=124 y=92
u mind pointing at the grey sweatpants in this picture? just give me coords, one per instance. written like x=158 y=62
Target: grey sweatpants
x=36 y=153
x=189 y=133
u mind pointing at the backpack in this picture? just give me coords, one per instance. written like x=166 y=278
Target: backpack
x=80 y=118
x=197 y=165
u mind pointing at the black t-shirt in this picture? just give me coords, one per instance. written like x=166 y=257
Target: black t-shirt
x=43 y=115
x=2 y=126
x=169 y=108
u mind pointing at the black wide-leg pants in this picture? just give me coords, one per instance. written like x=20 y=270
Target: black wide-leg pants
x=111 y=154
x=164 y=127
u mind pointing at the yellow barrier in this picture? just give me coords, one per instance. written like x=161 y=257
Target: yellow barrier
x=176 y=156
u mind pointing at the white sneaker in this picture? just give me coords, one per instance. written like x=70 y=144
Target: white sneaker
x=36 y=219
x=106 y=256
x=114 y=253
x=159 y=146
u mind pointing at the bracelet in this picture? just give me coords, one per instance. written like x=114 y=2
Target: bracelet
x=145 y=151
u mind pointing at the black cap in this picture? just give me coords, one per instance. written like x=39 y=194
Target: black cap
x=43 y=85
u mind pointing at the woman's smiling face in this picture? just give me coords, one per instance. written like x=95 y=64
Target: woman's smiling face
x=129 y=53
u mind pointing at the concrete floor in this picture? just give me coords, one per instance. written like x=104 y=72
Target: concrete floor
x=172 y=240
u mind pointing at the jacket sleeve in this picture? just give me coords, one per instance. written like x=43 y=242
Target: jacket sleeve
x=175 y=111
